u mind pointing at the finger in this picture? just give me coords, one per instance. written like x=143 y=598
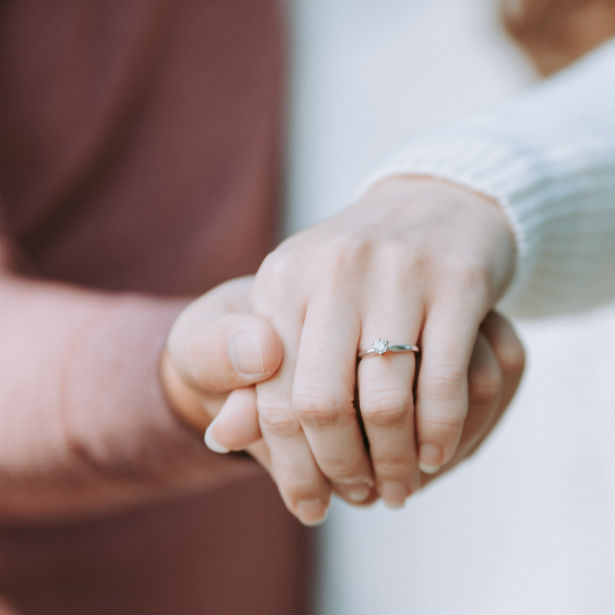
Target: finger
x=442 y=393
x=304 y=489
x=506 y=349
x=260 y=452
x=236 y=425
x=323 y=396
x=387 y=408
x=230 y=352
x=510 y=355
x=484 y=393
x=485 y=384
x=193 y=407
x=236 y=428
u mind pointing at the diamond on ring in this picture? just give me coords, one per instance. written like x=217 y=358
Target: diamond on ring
x=381 y=347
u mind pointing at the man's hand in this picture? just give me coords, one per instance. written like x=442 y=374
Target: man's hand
x=216 y=346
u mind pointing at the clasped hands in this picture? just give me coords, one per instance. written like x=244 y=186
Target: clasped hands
x=273 y=359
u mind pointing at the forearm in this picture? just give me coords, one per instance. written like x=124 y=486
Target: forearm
x=84 y=425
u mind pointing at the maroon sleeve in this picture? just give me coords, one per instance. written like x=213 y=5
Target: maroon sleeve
x=138 y=165
x=84 y=426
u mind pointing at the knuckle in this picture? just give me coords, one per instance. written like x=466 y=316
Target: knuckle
x=318 y=416
x=342 y=255
x=347 y=248
x=420 y=261
x=444 y=384
x=394 y=254
x=403 y=267
x=386 y=407
x=466 y=275
x=303 y=489
x=340 y=469
x=276 y=268
x=392 y=465
x=278 y=422
x=298 y=483
x=265 y=273
x=485 y=386
x=320 y=409
x=469 y=272
x=443 y=426
x=274 y=265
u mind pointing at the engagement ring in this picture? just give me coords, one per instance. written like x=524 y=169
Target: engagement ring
x=380 y=347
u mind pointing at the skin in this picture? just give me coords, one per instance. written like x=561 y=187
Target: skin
x=556 y=33
x=416 y=261
x=494 y=374
x=215 y=347
x=423 y=258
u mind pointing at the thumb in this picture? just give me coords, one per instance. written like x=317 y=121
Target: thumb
x=230 y=352
x=236 y=425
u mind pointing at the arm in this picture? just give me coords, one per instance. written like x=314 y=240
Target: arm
x=84 y=425
x=420 y=260
x=547 y=159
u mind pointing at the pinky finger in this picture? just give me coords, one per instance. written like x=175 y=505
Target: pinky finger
x=236 y=425
x=442 y=393
x=510 y=354
x=484 y=384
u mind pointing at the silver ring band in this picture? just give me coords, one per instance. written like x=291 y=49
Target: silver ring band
x=380 y=347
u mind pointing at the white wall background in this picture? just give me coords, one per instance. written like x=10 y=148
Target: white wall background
x=527 y=526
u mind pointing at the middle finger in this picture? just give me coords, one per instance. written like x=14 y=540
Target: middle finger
x=323 y=395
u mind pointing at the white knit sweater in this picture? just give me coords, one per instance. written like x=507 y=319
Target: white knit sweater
x=548 y=159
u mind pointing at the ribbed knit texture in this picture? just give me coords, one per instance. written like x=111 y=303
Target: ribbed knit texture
x=549 y=161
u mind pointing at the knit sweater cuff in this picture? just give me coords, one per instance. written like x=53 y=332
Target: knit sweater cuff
x=557 y=202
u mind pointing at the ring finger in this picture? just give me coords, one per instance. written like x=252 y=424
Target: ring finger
x=387 y=406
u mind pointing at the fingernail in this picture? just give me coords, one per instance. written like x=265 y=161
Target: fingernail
x=245 y=353
x=212 y=444
x=430 y=458
x=357 y=492
x=312 y=512
x=394 y=493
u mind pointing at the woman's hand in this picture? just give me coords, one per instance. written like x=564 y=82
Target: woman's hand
x=415 y=261
x=215 y=347
x=494 y=374
x=496 y=367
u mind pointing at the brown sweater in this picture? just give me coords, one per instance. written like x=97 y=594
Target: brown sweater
x=138 y=166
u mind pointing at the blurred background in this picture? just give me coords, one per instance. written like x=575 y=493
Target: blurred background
x=526 y=526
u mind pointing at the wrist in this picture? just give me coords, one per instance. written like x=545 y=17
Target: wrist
x=474 y=217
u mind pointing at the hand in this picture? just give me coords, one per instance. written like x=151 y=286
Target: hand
x=496 y=368
x=414 y=261
x=494 y=374
x=214 y=347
